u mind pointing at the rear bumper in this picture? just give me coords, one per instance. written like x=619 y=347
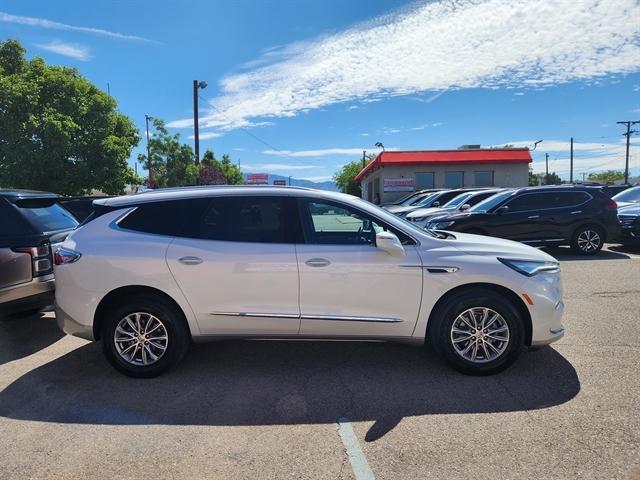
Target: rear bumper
x=37 y=293
x=69 y=326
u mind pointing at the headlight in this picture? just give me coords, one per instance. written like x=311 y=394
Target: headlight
x=440 y=225
x=531 y=267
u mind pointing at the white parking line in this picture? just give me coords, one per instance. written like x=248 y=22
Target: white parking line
x=359 y=464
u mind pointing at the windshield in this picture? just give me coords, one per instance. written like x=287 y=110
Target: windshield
x=49 y=218
x=456 y=201
x=628 y=195
x=491 y=202
x=406 y=224
x=405 y=198
x=415 y=199
x=428 y=200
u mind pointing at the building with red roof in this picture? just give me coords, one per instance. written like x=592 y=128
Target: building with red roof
x=393 y=174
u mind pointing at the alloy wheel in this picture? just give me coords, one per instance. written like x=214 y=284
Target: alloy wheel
x=588 y=240
x=141 y=339
x=480 y=335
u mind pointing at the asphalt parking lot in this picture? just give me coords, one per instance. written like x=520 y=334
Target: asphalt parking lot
x=271 y=409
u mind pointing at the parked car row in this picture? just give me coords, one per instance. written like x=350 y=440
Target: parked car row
x=581 y=216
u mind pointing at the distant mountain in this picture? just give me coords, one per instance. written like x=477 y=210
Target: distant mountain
x=299 y=182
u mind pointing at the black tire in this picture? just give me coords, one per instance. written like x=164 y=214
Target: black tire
x=172 y=321
x=582 y=241
x=447 y=312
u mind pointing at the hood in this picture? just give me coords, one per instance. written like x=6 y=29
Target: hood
x=423 y=212
x=399 y=209
x=498 y=247
x=631 y=209
x=625 y=204
x=455 y=216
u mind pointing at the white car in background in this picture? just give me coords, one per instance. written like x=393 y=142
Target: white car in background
x=462 y=202
x=150 y=273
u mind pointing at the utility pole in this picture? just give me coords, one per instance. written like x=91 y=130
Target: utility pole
x=364 y=158
x=546 y=178
x=628 y=123
x=150 y=181
x=289 y=180
x=571 y=163
x=196 y=133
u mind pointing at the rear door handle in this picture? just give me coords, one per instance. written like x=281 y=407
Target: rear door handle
x=190 y=260
x=533 y=217
x=318 y=262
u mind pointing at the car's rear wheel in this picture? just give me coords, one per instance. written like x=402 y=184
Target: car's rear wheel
x=587 y=240
x=478 y=332
x=144 y=336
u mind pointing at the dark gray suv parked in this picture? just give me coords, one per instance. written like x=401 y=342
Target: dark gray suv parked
x=30 y=223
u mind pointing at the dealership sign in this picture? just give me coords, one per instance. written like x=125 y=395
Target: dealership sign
x=399 y=184
x=258 y=178
x=280 y=182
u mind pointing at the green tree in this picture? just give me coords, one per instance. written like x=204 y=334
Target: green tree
x=172 y=161
x=345 y=178
x=551 y=179
x=58 y=131
x=608 y=177
x=534 y=178
x=232 y=174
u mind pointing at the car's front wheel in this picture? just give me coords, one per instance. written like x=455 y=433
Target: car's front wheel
x=144 y=336
x=478 y=332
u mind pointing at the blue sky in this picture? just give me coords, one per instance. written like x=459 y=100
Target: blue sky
x=300 y=88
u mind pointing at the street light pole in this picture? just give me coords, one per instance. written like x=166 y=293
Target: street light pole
x=150 y=182
x=546 y=178
x=196 y=133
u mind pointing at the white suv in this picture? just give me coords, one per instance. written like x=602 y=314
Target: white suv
x=149 y=273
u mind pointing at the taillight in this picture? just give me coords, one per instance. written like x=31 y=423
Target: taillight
x=65 y=255
x=40 y=258
x=611 y=205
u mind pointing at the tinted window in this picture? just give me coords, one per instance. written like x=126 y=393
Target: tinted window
x=162 y=218
x=424 y=180
x=453 y=179
x=570 y=199
x=491 y=202
x=332 y=224
x=10 y=222
x=49 y=218
x=474 y=199
x=483 y=179
x=529 y=201
x=244 y=219
x=458 y=200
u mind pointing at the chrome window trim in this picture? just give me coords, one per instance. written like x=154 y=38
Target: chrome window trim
x=345 y=318
x=506 y=204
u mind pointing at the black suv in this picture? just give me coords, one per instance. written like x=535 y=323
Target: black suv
x=30 y=223
x=582 y=217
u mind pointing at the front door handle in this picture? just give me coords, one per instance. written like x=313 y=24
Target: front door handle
x=533 y=217
x=190 y=260
x=318 y=262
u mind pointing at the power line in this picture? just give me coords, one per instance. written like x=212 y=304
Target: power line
x=255 y=137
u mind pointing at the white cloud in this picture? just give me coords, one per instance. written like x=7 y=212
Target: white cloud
x=322 y=178
x=73 y=50
x=587 y=156
x=206 y=135
x=325 y=152
x=279 y=166
x=436 y=46
x=44 y=23
x=353 y=107
x=364 y=134
x=519 y=94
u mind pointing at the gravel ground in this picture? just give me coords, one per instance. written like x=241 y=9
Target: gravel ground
x=270 y=409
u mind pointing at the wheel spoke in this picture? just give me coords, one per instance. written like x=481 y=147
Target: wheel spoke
x=491 y=321
x=485 y=315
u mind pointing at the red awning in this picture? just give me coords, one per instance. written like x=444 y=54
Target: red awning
x=448 y=157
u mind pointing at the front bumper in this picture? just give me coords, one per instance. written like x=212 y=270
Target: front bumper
x=545 y=292
x=629 y=236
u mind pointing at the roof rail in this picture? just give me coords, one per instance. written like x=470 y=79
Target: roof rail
x=215 y=187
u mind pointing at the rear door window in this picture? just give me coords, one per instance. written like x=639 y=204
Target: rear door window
x=257 y=219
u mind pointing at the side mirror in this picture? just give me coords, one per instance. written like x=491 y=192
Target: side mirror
x=390 y=243
x=464 y=207
x=502 y=210
x=436 y=204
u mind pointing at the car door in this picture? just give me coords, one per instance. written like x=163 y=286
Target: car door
x=524 y=219
x=349 y=287
x=236 y=265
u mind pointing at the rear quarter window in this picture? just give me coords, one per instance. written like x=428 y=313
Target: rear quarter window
x=160 y=218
